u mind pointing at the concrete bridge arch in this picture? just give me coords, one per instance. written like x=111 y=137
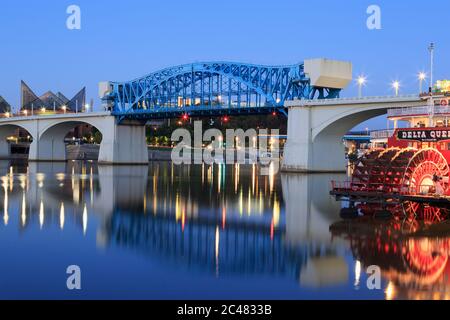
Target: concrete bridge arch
x=316 y=128
x=8 y=129
x=51 y=139
x=121 y=144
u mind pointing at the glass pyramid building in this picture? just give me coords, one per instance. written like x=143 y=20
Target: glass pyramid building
x=49 y=100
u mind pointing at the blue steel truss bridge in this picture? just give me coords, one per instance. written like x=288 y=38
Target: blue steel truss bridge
x=210 y=89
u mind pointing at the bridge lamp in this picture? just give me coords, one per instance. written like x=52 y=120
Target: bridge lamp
x=422 y=76
x=43 y=110
x=86 y=107
x=7 y=114
x=396 y=86
x=25 y=112
x=361 y=82
x=64 y=108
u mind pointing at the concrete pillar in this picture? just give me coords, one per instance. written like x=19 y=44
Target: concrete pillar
x=298 y=148
x=124 y=143
x=5 y=149
x=48 y=148
x=304 y=152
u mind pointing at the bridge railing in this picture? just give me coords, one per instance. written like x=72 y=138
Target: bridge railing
x=39 y=112
x=364 y=99
x=382 y=134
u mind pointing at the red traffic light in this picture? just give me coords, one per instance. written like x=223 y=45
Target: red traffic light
x=185 y=117
x=226 y=119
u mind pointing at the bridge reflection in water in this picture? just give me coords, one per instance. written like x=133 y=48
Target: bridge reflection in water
x=224 y=221
x=221 y=219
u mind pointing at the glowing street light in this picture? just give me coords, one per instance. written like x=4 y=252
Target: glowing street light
x=396 y=86
x=422 y=76
x=361 y=82
x=86 y=107
x=25 y=112
x=7 y=115
x=64 y=108
x=43 y=110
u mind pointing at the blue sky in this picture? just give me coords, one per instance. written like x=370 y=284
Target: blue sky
x=121 y=40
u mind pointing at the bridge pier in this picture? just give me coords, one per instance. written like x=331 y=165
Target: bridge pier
x=304 y=152
x=124 y=144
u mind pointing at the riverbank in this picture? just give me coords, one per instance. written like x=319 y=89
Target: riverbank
x=91 y=152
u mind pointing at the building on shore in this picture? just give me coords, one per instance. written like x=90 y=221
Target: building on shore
x=51 y=101
x=4 y=105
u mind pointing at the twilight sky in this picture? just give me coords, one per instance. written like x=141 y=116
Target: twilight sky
x=122 y=40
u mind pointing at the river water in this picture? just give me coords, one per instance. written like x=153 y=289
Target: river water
x=203 y=232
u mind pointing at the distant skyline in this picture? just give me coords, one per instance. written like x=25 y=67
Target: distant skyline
x=125 y=40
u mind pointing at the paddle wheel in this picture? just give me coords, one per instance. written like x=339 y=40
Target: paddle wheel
x=398 y=171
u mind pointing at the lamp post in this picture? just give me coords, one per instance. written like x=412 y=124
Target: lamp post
x=422 y=77
x=361 y=81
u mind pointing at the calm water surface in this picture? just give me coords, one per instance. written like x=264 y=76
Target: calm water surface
x=202 y=232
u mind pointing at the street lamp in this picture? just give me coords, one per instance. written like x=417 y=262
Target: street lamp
x=361 y=81
x=422 y=77
x=396 y=86
x=64 y=108
x=86 y=107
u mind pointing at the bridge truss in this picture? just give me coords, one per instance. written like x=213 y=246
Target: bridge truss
x=212 y=89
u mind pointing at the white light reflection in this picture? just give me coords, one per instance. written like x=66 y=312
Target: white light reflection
x=41 y=214
x=357 y=273
x=23 y=216
x=5 y=203
x=61 y=216
x=85 y=219
x=217 y=248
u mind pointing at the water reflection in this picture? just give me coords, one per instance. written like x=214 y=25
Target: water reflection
x=221 y=221
x=413 y=255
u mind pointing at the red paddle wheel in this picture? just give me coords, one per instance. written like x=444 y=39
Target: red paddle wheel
x=426 y=258
x=401 y=171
